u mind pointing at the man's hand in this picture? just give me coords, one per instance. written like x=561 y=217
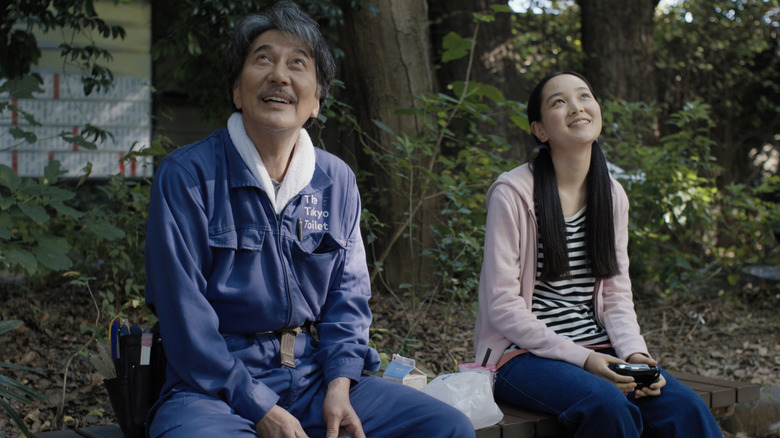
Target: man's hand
x=278 y=423
x=654 y=390
x=598 y=364
x=340 y=418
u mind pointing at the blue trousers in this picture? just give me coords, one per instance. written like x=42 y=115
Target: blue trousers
x=590 y=406
x=385 y=408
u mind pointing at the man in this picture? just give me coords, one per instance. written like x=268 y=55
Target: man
x=256 y=266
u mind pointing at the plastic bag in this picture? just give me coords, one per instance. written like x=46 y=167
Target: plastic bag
x=470 y=393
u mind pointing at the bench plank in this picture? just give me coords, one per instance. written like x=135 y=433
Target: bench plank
x=101 y=431
x=544 y=424
x=745 y=391
x=493 y=431
x=513 y=427
x=719 y=395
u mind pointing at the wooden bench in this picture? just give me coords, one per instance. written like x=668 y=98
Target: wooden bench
x=104 y=431
x=720 y=395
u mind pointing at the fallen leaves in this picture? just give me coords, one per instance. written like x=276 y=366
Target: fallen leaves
x=706 y=337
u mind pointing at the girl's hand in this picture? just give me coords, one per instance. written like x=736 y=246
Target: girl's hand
x=654 y=390
x=598 y=364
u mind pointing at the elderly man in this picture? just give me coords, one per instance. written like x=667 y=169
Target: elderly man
x=256 y=266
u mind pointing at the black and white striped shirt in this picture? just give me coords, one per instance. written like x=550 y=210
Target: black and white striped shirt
x=566 y=306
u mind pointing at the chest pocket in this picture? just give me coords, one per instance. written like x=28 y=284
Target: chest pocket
x=317 y=261
x=247 y=239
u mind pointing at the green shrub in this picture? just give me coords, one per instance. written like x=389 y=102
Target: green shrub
x=686 y=234
x=35 y=217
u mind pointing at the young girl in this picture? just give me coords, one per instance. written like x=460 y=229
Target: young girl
x=555 y=301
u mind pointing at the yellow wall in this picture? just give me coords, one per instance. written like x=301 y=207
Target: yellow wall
x=131 y=55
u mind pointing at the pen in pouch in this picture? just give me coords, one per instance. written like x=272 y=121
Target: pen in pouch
x=300 y=230
x=146 y=348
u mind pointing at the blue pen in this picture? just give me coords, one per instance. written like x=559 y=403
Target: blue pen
x=113 y=334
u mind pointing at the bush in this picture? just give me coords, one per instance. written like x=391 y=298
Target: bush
x=686 y=234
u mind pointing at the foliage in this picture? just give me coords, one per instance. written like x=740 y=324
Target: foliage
x=725 y=53
x=682 y=228
x=33 y=216
x=113 y=257
x=546 y=38
x=12 y=389
x=20 y=49
x=53 y=224
x=35 y=213
x=19 y=52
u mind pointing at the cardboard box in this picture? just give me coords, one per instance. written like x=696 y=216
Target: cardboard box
x=402 y=369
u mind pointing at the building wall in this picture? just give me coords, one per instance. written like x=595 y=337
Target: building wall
x=125 y=110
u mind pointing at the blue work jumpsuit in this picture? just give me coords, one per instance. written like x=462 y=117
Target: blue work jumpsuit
x=223 y=269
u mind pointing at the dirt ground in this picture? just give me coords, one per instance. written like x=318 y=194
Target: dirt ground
x=736 y=341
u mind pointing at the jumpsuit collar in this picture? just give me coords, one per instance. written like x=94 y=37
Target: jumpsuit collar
x=298 y=176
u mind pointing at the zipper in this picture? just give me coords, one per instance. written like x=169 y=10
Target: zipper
x=596 y=312
x=279 y=223
x=299 y=230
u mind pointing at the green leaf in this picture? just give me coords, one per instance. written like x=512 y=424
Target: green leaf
x=23 y=258
x=79 y=140
x=455 y=47
x=35 y=212
x=383 y=127
x=7 y=326
x=52 y=252
x=5 y=233
x=20 y=134
x=9 y=178
x=65 y=210
x=19 y=367
x=501 y=8
x=23 y=87
x=18 y=391
x=15 y=417
x=6 y=203
x=521 y=121
x=193 y=46
x=52 y=171
x=106 y=231
x=492 y=93
x=53 y=261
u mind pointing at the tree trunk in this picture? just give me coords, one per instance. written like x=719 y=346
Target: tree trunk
x=387 y=60
x=617 y=36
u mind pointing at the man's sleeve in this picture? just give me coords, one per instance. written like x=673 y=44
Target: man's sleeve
x=346 y=317
x=177 y=256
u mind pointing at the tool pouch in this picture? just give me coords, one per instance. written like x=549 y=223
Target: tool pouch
x=136 y=387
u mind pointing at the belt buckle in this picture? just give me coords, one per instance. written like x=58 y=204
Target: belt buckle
x=287 y=350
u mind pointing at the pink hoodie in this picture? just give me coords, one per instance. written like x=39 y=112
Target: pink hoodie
x=506 y=283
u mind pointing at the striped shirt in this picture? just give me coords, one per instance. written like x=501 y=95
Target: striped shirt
x=566 y=306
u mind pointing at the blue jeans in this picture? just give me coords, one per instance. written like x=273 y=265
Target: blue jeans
x=590 y=406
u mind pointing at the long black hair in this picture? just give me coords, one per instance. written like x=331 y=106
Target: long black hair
x=599 y=224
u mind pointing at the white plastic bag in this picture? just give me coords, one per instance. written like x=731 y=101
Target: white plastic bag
x=470 y=393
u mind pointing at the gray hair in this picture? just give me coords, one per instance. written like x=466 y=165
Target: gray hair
x=289 y=18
